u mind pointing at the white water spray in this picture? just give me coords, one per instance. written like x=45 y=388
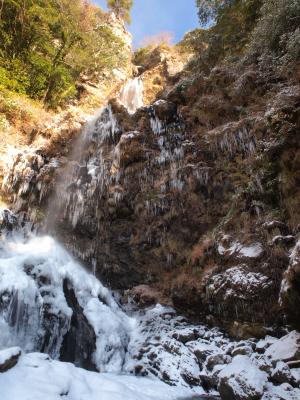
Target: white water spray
x=131 y=95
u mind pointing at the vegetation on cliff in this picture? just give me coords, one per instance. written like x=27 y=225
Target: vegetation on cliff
x=121 y=8
x=264 y=31
x=47 y=46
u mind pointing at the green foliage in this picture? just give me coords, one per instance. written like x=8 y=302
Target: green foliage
x=226 y=30
x=141 y=55
x=121 y=8
x=47 y=45
x=259 y=28
x=208 y=10
x=277 y=33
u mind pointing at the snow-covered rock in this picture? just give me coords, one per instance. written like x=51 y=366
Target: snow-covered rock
x=242 y=350
x=241 y=380
x=238 y=283
x=286 y=349
x=9 y=358
x=282 y=392
x=282 y=373
x=264 y=343
x=154 y=349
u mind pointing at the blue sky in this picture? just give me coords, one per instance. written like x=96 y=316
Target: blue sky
x=150 y=17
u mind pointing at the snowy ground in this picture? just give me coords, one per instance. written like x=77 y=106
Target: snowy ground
x=38 y=377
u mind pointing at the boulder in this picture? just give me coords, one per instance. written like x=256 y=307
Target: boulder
x=242 y=350
x=282 y=392
x=285 y=349
x=282 y=373
x=263 y=344
x=217 y=359
x=9 y=358
x=202 y=350
x=263 y=362
x=241 y=380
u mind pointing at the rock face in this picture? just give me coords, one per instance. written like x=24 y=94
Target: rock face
x=194 y=196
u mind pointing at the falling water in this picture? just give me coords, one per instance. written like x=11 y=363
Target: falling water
x=38 y=278
x=131 y=95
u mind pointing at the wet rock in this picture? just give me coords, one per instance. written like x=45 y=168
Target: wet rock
x=79 y=343
x=247 y=330
x=145 y=296
x=9 y=358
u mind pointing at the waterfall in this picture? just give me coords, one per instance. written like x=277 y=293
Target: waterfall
x=131 y=95
x=48 y=301
x=88 y=174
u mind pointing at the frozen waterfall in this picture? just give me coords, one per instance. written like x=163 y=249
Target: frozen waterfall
x=45 y=294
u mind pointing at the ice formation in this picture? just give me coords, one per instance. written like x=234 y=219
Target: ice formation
x=35 y=313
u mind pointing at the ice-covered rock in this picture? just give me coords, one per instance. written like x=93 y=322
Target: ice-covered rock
x=203 y=349
x=263 y=362
x=289 y=293
x=241 y=380
x=217 y=359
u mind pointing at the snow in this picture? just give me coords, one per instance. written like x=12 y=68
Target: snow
x=250 y=251
x=37 y=377
x=6 y=354
x=286 y=349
